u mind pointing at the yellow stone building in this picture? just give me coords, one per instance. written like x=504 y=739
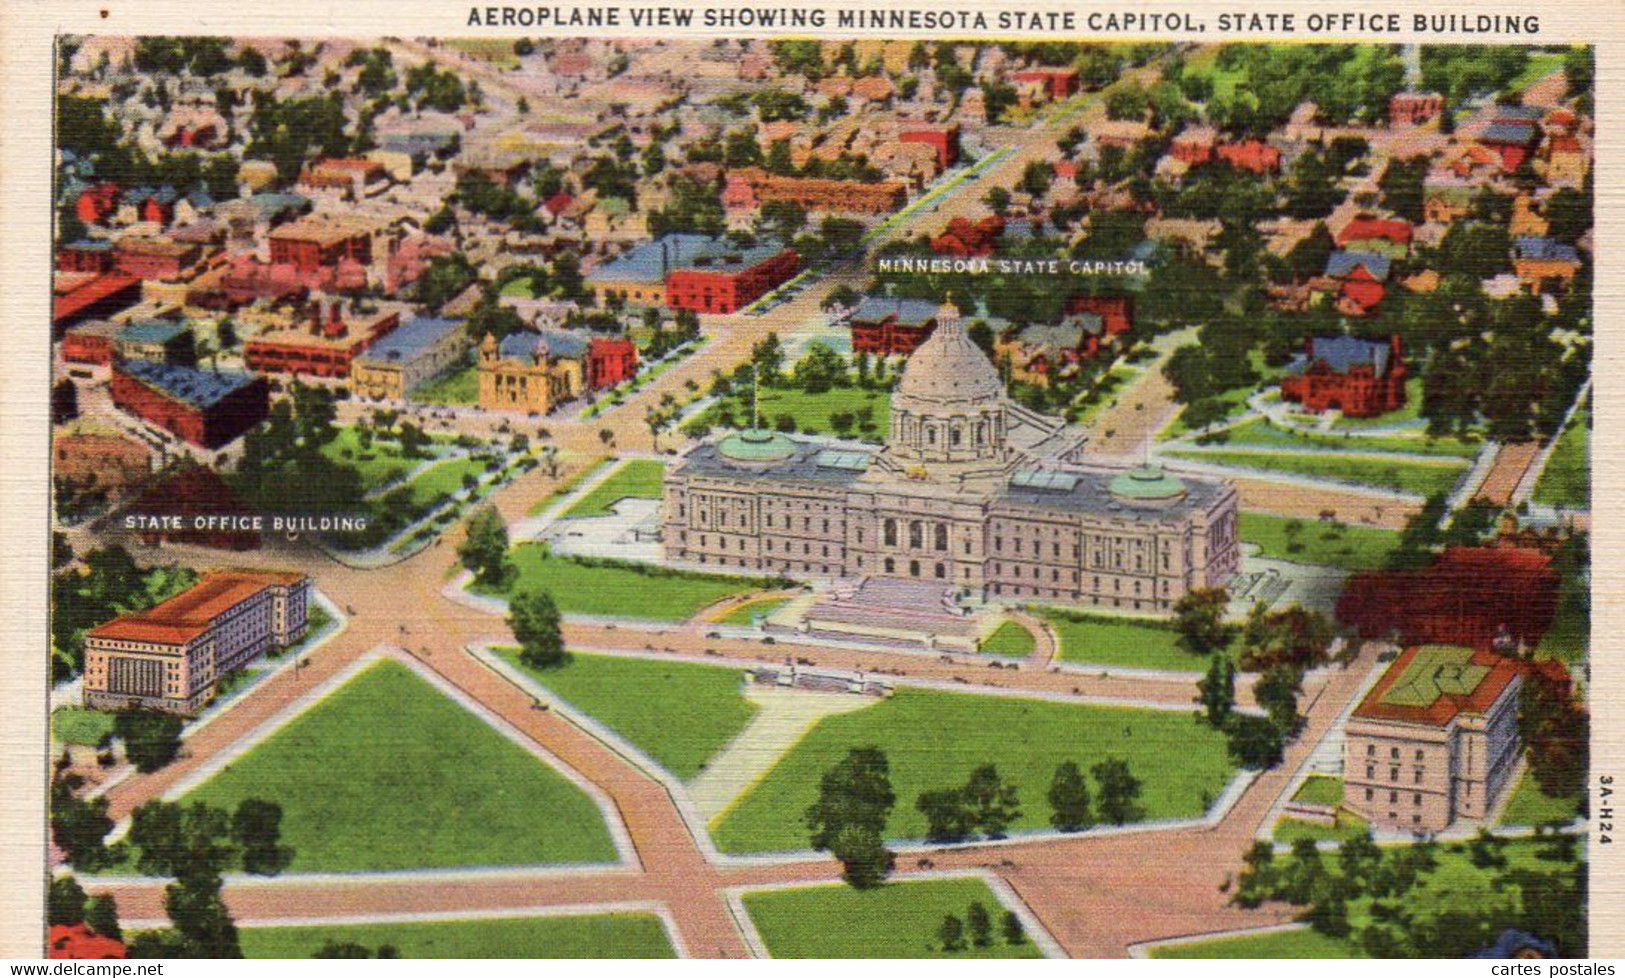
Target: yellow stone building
x=531 y=372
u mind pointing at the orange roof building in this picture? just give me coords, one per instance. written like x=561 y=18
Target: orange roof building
x=170 y=656
x=1435 y=740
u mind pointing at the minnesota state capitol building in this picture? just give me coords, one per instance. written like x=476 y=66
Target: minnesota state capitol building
x=971 y=491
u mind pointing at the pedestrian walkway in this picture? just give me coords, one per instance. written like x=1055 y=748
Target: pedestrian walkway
x=782 y=718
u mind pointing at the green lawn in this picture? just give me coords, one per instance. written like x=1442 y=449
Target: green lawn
x=934 y=739
x=810 y=411
x=1010 y=639
x=459 y=387
x=897 y=920
x=1541 y=64
x=1569 y=638
x=678 y=713
x=79 y=726
x=565 y=487
x=623 y=589
x=611 y=935
x=444 y=478
x=1320 y=790
x=1126 y=642
x=745 y=613
x=386 y=773
x=639 y=478
x=1566 y=482
x=1352 y=547
x=1422 y=476
x=1349 y=825
x=378 y=464
x=1258 y=432
x=1531 y=806
x=1304 y=943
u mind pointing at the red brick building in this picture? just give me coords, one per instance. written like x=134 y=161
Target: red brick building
x=313 y=242
x=944 y=139
x=159 y=259
x=1116 y=312
x=965 y=238
x=1057 y=83
x=1361 y=378
x=610 y=361
x=95 y=204
x=726 y=287
x=85 y=256
x=90 y=342
x=82 y=295
x=1252 y=156
x=1414 y=108
x=883 y=326
x=207 y=408
x=322 y=345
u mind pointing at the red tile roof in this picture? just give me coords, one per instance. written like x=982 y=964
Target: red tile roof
x=1447 y=706
x=1371 y=228
x=190 y=613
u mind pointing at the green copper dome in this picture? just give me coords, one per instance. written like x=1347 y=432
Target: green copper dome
x=756 y=445
x=1148 y=482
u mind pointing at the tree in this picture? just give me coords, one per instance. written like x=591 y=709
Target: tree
x=534 y=618
x=256 y=827
x=151 y=738
x=865 y=860
x=1199 y=619
x=79 y=826
x=951 y=933
x=1557 y=731
x=856 y=791
x=979 y=924
x=1217 y=690
x=947 y=817
x=992 y=801
x=1254 y=741
x=484 y=548
x=768 y=357
x=1069 y=799
x=1014 y=933
x=1277 y=691
x=64 y=902
x=101 y=916
x=1119 y=791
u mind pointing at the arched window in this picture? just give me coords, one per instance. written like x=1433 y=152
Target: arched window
x=891 y=566
x=942 y=536
x=954 y=436
x=916 y=534
x=891 y=533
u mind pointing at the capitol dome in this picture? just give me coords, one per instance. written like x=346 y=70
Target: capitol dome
x=949 y=367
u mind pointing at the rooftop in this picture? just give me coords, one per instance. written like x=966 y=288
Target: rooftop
x=1341 y=353
x=152 y=331
x=1434 y=684
x=188 y=614
x=410 y=340
x=653 y=260
x=197 y=388
x=907 y=312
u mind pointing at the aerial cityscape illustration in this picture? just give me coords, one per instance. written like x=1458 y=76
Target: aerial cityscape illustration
x=751 y=497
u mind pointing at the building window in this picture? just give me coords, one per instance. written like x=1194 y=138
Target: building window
x=1417 y=798
x=1394 y=753
x=913 y=568
x=1368 y=794
x=1370 y=771
x=1371 y=750
x=891 y=566
x=1393 y=797
x=942 y=536
x=1419 y=755
x=916 y=534
x=942 y=572
x=891 y=535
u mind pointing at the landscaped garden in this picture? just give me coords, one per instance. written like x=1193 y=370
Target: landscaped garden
x=619 y=588
x=1259 y=432
x=1122 y=642
x=1347 y=826
x=896 y=920
x=455 y=388
x=387 y=774
x=1531 y=806
x=639 y=478
x=678 y=713
x=747 y=613
x=1297 y=943
x=81 y=727
x=1319 y=789
x=1311 y=542
x=1566 y=482
x=1419 y=476
x=934 y=739
x=1011 y=639
x=611 y=935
